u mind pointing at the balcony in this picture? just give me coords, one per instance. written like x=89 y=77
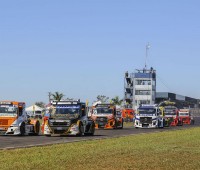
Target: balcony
x=142 y=97
x=143 y=87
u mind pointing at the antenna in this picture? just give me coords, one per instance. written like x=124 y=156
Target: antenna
x=147 y=48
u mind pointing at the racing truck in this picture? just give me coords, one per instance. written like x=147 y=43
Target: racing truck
x=170 y=113
x=128 y=114
x=14 y=120
x=148 y=116
x=120 y=118
x=68 y=117
x=172 y=116
x=186 y=116
x=105 y=117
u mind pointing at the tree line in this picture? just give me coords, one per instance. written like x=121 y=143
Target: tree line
x=102 y=98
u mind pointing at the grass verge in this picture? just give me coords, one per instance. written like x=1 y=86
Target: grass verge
x=128 y=124
x=165 y=150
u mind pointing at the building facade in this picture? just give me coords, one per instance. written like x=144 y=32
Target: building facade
x=140 y=87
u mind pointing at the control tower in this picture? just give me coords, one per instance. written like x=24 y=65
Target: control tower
x=140 y=87
x=128 y=90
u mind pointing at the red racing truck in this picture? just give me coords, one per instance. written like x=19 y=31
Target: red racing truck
x=170 y=113
x=186 y=116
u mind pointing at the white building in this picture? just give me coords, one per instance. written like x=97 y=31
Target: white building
x=140 y=88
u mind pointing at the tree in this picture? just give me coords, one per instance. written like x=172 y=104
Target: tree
x=102 y=98
x=57 y=96
x=40 y=104
x=116 y=100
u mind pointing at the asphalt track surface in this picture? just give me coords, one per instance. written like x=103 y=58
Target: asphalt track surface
x=11 y=142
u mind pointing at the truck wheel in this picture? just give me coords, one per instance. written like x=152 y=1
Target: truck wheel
x=160 y=123
x=116 y=124
x=167 y=123
x=22 y=129
x=191 y=122
x=37 y=128
x=48 y=135
x=163 y=122
x=89 y=134
x=115 y=127
x=92 y=130
x=180 y=123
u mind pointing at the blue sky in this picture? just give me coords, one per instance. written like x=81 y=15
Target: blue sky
x=82 y=48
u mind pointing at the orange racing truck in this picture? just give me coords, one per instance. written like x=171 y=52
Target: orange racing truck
x=128 y=114
x=14 y=120
x=105 y=116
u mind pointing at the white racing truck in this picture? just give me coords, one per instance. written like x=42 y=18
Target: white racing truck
x=148 y=116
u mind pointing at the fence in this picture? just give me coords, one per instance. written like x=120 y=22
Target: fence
x=195 y=112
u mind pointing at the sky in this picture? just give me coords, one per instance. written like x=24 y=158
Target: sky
x=82 y=48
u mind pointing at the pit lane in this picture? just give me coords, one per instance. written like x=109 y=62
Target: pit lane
x=11 y=142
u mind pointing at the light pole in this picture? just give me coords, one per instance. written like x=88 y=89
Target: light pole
x=49 y=94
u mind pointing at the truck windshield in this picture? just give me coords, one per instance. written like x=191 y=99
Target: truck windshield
x=8 y=110
x=147 y=111
x=118 y=113
x=170 y=111
x=103 y=111
x=184 y=114
x=69 y=109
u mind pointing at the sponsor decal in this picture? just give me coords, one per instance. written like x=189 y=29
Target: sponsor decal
x=70 y=107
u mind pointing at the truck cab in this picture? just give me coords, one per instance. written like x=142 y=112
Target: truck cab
x=68 y=117
x=128 y=114
x=186 y=116
x=148 y=116
x=172 y=117
x=105 y=117
x=14 y=120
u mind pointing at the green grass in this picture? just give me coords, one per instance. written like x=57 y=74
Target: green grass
x=164 y=150
x=128 y=124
